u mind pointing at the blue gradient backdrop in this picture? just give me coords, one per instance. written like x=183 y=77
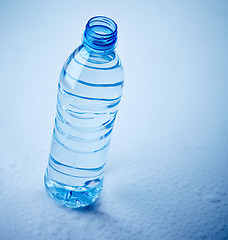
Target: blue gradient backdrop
x=167 y=173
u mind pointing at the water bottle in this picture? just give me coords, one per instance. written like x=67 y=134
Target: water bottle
x=89 y=91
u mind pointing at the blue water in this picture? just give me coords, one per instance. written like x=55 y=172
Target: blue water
x=89 y=92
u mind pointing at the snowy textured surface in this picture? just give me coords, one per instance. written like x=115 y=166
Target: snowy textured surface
x=167 y=172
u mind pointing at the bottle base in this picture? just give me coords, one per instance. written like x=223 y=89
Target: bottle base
x=73 y=197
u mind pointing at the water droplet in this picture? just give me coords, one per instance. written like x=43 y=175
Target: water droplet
x=202 y=235
x=13 y=165
x=220 y=191
x=197 y=192
x=213 y=197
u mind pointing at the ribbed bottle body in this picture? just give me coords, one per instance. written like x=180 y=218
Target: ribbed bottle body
x=89 y=91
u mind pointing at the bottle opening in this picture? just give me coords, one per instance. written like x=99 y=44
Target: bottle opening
x=102 y=26
x=100 y=33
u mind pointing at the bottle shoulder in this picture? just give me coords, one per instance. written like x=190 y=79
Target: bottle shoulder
x=93 y=67
x=100 y=61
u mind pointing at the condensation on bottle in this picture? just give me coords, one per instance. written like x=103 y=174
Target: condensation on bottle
x=89 y=91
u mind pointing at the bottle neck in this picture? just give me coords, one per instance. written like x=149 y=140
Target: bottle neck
x=100 y=35
x=91 y=51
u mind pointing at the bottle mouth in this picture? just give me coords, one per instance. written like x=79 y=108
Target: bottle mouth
x=100 y=33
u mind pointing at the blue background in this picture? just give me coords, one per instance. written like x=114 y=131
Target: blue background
x=167 y=173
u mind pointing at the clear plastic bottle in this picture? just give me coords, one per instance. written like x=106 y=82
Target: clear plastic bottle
x=89 y=92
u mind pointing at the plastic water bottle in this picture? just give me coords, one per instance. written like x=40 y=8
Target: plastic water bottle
x=89 y=91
